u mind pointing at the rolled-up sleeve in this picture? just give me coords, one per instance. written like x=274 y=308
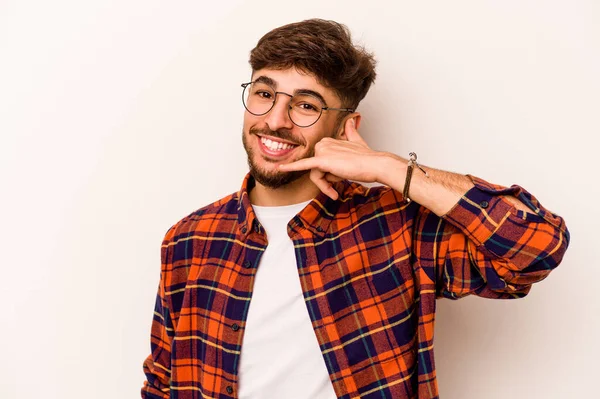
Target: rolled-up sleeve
x=485 y=246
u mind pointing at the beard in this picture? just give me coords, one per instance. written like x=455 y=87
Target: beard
x=269 y=178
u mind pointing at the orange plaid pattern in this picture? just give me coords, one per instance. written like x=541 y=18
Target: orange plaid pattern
x=370 y=265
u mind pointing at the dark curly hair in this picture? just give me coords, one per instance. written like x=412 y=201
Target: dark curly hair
x=323 y=49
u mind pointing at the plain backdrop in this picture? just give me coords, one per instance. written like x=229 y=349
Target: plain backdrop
x=118 y=118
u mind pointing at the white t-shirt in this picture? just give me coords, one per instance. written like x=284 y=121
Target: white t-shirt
x=280 y=355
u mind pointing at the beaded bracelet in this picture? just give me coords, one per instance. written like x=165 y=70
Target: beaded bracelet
x=411 y=165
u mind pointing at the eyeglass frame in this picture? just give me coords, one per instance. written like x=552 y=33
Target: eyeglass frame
x=323 y=108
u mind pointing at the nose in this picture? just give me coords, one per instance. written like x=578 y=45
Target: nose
x=278 y=117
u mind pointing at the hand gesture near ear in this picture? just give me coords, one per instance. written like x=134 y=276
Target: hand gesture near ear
x=337 y=159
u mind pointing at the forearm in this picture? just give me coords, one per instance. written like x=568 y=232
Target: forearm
x=465 y=220
x=439 y=192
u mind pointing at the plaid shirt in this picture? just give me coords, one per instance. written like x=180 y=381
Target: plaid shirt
x=371 y=266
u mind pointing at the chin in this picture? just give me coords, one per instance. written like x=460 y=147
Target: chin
x=272 y=178
x=264 y=169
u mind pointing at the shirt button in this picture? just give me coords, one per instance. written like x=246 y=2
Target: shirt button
x=484 y=204
x=229 y=389
x=235 y=327
x=257 y=228
x=319 y=229
x=244 y=230
x=247 y=264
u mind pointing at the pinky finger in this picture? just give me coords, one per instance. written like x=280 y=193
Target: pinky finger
x=318 y=178
x=330 y=177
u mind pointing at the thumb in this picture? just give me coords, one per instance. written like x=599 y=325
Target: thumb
x=351 y=132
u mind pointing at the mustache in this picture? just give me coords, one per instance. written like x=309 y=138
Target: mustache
x=280 y=134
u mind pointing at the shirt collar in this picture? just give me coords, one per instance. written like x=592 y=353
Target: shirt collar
x=315 y=217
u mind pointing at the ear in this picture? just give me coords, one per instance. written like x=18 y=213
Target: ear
x=341 y=134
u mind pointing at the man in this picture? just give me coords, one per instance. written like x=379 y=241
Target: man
x=305 y=284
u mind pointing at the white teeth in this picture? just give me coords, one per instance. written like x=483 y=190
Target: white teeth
x=275 y=145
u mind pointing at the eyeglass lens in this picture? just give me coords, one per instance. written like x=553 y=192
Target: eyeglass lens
x=304 y=109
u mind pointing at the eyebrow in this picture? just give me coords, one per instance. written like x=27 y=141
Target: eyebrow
x=266 y=80
x=269 y=81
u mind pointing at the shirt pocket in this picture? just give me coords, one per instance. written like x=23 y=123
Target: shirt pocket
x=384 y=316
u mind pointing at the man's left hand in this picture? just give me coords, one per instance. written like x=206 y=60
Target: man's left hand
x=337 y=159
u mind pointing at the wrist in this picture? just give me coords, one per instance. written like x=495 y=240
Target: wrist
x=393 y=170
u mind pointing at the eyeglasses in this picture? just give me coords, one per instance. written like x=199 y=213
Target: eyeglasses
x=304 y=109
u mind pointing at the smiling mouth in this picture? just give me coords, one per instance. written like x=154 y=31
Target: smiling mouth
x=274 y=147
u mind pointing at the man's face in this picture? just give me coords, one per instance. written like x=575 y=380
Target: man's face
x=262 y=134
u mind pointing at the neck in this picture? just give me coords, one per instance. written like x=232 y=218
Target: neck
x=295 y=192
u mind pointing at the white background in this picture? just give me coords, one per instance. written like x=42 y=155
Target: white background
x=117 y=118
